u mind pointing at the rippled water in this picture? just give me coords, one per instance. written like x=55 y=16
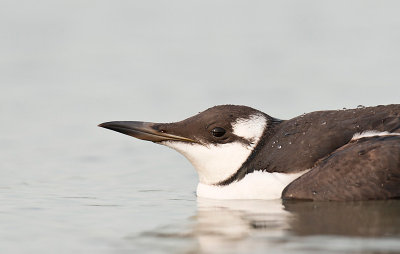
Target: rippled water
x=67 y=186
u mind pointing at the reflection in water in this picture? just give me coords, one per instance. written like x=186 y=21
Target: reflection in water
x=236 y=224
x=236 y=218
x=366 y=219
x=241 y=226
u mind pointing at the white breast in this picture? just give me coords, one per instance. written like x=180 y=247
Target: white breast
x=256 y=185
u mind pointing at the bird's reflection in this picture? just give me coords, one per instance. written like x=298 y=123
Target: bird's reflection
x=238 y=226
x=247 y=224
x=235 y=218
x=361 y=219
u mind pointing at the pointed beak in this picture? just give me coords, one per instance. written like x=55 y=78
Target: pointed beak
x=143 y=130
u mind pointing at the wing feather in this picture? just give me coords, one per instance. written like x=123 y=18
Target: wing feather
x=364 y=169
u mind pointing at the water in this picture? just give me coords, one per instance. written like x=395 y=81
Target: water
x=66 y=66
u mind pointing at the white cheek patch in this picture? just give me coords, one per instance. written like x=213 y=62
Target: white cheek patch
x=250 y=128
x=213 y=163
x=367 y=134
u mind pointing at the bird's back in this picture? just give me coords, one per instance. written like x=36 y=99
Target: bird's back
x=297 y=144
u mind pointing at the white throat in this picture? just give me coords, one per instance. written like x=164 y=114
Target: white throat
x=217 y=162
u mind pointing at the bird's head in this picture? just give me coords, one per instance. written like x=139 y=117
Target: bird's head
x=216 y=141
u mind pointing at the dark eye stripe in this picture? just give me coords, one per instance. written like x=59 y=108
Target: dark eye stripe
x=218 y=132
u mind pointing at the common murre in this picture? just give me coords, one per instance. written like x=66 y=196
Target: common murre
x=242 y=153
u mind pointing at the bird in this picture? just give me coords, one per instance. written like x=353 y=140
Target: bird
x=242 y=153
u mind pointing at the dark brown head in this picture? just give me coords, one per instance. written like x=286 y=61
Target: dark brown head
x=216 y=141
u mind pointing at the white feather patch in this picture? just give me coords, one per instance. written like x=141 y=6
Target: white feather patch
x=256 y=185
x=250 y=128
x=373 y=133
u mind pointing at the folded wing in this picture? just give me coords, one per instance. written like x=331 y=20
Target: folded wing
x=364 y=169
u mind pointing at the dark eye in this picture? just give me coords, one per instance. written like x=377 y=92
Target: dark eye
x=218 y=132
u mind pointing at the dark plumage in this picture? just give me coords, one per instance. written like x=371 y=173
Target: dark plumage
x=340 y=168
x=310 y=137
x=367 y=168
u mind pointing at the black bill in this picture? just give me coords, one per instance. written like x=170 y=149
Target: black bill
x=143 y=130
